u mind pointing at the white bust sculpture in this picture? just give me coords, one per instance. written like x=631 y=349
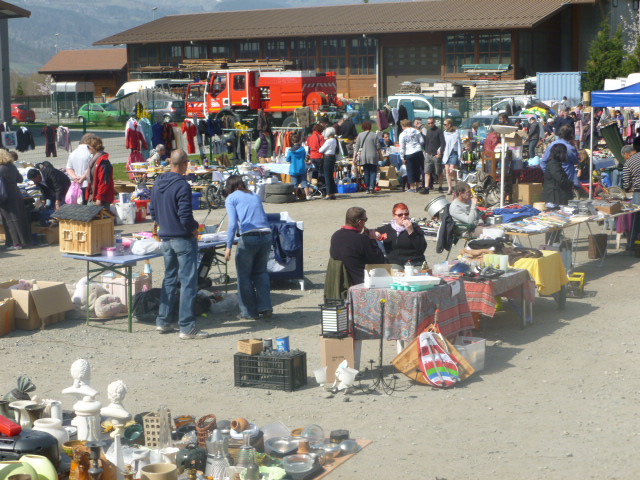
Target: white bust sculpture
x=116 y=392
x=81 y=373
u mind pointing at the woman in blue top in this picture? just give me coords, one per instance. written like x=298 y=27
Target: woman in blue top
x=297 y=156
x=247 y=216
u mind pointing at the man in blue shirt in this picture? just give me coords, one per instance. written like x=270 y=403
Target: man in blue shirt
x=171 y=208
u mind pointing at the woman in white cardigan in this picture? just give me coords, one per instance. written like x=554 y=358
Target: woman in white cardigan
x=452 y=152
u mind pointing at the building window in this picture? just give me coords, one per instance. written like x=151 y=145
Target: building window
x=460 y=51
x=195 y=51
x=412 y=60
x=220 y=50
x=249 y=50
x=170 y=55
x=303 y=52
x=239 y=82
x=362 y=56
x=332 y=58
x=494 y=48
x=276 y=49
x=143 y=55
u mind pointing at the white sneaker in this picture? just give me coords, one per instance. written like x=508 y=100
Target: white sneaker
x=310 y=198
x=194 y=334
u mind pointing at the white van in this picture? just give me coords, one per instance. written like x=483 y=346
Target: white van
x=137 y=85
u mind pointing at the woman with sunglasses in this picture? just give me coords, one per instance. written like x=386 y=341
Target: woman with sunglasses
x=404 y=239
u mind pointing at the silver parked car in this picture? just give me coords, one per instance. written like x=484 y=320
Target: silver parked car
x=159 y=109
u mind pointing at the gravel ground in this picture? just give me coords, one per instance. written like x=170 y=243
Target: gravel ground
x=556 y=400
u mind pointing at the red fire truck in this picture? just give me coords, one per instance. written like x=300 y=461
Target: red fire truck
x=241 y=93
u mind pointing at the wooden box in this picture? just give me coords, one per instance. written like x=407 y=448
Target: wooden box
x=6 y=316
x=610 y=209
x=85 y=229
x=52 y=234
x=250 y=346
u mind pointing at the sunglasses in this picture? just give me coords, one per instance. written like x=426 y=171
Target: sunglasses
x=402 y=214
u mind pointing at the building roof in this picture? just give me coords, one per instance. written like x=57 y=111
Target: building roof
x=7 y=10
x=95 y=60
x=79 y=213
x=374 y=18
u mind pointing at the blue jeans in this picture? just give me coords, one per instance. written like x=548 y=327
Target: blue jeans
x=180 y=263
x=370 y=175
x=616 y=178
x=254 y=285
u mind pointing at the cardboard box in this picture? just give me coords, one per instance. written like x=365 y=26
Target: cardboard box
x=52 y=234
x=7 y=320
x=117 y=286
x=515 y=139
x=382 y=277
x=527 y=193
x=610 y=209
x=3 y=236
x=392 y=184
x=333 y=351
x=388 y=173
x=250 y=346
x=37 y=308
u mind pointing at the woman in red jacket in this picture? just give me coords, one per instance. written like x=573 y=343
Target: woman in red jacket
x=314 y=142
x=100 y=190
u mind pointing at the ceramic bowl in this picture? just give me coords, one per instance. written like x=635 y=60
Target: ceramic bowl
x=280 y=446
x=332 y=450
x=313 y=433
x=70 y=445
x=297 y=463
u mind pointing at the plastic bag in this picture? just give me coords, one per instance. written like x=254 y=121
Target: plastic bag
x=74 y=194
x=146 y=246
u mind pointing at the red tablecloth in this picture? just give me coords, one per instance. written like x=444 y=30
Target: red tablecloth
x=513 y=284
x=408 y=313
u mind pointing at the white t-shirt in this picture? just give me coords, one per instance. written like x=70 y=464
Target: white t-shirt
x=79 y=161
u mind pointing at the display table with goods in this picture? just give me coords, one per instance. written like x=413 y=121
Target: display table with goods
x=513 y=284
x=101 y=440
x=409 y=312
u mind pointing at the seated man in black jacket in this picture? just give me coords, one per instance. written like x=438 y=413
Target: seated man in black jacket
x=355 y=246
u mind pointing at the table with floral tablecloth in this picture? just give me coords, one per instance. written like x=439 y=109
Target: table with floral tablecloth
x=408 y=313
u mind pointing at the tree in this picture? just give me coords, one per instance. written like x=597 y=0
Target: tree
x=605 y=57
x=20 y=90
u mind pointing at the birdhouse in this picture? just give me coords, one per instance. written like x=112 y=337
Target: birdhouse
x=85 y=229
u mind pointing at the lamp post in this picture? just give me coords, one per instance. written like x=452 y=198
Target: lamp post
x=57 y=35
x=154 y=12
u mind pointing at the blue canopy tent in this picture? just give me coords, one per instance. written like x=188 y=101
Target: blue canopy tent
x=622 y=97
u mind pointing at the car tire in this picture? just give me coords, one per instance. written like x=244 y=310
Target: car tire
x=279 y=188
x=278 y=198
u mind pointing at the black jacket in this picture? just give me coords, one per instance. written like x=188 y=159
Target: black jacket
x=557 y=188
x=404 y=247
x=355 y=250
x=534 y=132
x=348 y=129
x=434 y=139
x=57 y=181
x=446 y=231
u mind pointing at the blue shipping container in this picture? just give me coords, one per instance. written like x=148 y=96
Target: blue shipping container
x=555 y=85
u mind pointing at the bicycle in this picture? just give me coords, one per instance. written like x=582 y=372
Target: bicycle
x=316 y=190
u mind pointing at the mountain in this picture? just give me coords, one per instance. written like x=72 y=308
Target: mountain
x=76 y=24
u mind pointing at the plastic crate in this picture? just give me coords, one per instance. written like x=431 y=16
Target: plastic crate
x=276 y=372
x=347 y=188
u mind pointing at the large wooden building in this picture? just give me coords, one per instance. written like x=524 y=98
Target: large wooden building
x=375 y=47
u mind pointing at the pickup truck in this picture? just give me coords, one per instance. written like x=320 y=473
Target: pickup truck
x=425 y=106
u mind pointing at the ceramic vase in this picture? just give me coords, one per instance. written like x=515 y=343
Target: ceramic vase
x=35 y=412
x=159 y=471
x=22 y=476
x=20 y=413
x=53 y=427
x=15 y=467
x=240 y=424
x=41 y=465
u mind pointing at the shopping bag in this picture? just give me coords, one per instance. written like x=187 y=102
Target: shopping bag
x=10 y=139
x=74 y=194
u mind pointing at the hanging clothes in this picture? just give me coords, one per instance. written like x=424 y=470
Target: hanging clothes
x=382 y=119
x=25 y=140
x=214 y=126
x=134 y=137
x=168 y=138
x=156 y=135
x=50 y=136
x=177 y=134
x=145 y=126
x=263 y=124
x=190 y=130
x=64 y=139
